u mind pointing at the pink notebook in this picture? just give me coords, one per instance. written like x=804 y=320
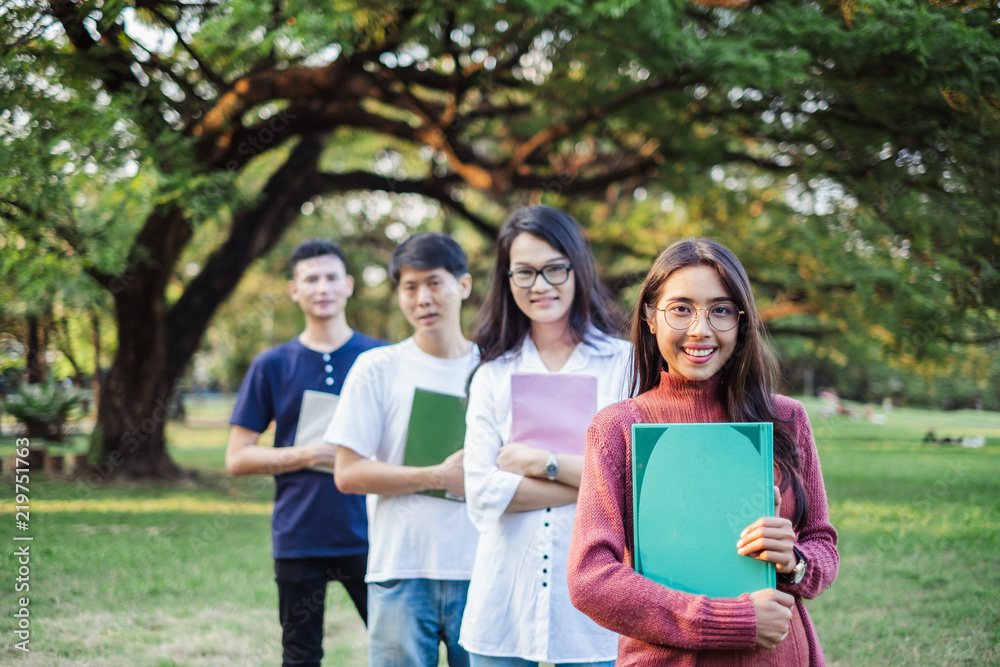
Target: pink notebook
x=552 y=410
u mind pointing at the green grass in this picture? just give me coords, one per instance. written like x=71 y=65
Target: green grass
x=157 y=574
x=919 y=541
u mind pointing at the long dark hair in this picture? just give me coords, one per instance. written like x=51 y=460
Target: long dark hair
x=502 y=326
x=748 y=377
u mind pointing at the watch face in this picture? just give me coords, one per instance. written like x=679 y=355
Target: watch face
x=552 y=466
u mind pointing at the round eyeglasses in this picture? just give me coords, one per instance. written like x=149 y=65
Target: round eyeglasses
x=554 y=274
x=678 y=315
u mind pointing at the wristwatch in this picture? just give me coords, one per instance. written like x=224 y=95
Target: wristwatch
x=797 y=573
x=552 y=466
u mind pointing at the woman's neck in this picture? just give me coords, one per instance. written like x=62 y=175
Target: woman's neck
x=554 y=341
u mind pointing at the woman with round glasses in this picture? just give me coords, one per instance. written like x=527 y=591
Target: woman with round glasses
x=546 y=312
x=700 y=357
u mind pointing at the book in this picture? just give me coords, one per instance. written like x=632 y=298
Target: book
x=552 y=411
x=695 y=487
x=435 y=432
x=314 y=416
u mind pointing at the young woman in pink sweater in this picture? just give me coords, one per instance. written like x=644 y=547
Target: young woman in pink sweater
x=700 y=357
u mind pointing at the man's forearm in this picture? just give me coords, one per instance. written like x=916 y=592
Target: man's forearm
x=367 y=476
x=257 y=460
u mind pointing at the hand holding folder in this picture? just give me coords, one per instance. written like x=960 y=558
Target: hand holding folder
x=436 y=433
x=696 y=487
x=770 y=538
x=315 y=414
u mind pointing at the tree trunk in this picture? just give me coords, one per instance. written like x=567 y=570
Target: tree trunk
x=34 y=360
x=129 y=437
x=155 y=344
x=133 y=413
x=65 y=344
x=95 y=382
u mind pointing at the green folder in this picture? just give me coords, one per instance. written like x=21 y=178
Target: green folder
x=695 y=487
x=436 y=431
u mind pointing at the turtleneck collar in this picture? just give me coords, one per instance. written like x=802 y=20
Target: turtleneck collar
x=677 y=400
x=674 y=383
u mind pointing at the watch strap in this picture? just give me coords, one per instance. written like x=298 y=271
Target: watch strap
x=797 y=573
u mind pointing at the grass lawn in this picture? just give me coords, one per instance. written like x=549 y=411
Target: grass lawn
x=181 y=574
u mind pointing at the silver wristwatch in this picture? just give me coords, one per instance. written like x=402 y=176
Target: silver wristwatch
x=552 y=466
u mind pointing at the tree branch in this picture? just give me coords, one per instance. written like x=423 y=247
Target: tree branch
x=566 y=186
x=333 y=81
x=547 y=136
x=242 y=144
x=207 y=71
x=253 y=232
x=794 y=331
x=974 y=340
x=32 y=225
x=435 y=188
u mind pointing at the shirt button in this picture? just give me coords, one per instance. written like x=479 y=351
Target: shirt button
x=546 y=557
x=329 y=368
x=329 y=381
x=326 y=357
x=546 y=524
x=544 y=584
x=545 y=570
x=548 y=509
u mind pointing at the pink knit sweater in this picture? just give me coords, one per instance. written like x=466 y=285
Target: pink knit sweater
x=660 y=625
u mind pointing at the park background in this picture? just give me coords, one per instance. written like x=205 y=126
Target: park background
x=161 y=159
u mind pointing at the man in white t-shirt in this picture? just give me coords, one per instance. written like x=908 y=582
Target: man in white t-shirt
x=421 y=548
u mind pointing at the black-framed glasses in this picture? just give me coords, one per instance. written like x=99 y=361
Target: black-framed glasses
x=554 y=274
x=722 y=316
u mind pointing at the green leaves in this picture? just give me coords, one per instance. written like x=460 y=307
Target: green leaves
x=848 y=151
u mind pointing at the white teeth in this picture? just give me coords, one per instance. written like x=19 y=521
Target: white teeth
x=699 y=353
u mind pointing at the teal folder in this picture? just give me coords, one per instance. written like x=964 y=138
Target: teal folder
x=436 y=431
x=695 y=487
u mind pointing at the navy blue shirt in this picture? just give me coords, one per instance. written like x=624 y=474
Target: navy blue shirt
x=311 y=517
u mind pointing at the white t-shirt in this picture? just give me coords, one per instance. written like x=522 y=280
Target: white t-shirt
x=518 y=604
x=411 y=536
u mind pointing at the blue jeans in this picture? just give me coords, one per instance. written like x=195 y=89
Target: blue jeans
x=491 y=661
x=409 y=618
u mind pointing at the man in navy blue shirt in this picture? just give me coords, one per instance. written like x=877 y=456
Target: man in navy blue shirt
x=319 y=534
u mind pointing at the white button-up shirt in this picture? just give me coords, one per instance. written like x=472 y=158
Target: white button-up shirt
x=518 y=603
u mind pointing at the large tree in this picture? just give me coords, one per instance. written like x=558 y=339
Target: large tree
x=867 y=126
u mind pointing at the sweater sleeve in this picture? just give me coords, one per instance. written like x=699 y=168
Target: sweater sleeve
x=602 y=582
x=817 y=540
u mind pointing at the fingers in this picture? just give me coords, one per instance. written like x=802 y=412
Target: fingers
x=774 y=529
x=784 y=599
x=769 y=539
x=774 y=595
x=773 y=611
x=766 y=522
x=764 y=545
x=777 y=501
x=455 y=457
x=782 y=560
